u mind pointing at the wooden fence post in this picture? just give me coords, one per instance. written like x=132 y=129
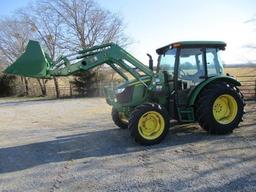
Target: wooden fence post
x=70 y=90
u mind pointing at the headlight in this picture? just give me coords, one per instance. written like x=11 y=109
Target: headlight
x=119 y=90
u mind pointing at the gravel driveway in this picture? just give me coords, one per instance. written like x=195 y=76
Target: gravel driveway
x=73 y=145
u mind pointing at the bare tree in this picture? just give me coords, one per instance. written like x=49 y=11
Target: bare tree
x=48 y=27
x=14 y=36
x=61 y=26
x=2 y=61
x=87 y=24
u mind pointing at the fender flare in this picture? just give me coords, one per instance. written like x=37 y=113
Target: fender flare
x=193 y=96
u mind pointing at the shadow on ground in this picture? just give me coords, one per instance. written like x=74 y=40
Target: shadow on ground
x=91 y=144
x=102 y=143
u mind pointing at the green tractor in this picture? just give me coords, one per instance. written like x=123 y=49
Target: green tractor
x=189 y=85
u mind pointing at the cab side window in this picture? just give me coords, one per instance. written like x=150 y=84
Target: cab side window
x=214 y=66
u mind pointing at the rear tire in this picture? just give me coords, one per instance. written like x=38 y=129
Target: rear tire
x=220 y=108
x=149 y=124
x=119 y=119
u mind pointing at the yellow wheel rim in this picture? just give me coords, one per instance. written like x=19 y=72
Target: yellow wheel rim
x=123 y=118
x=151 y=125
x=225 y=109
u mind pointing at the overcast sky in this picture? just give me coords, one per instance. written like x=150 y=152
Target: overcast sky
x=155 y=23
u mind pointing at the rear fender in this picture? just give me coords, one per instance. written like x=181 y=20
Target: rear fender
x=193 y=96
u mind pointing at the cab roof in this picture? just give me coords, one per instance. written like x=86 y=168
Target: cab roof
x=193 y=44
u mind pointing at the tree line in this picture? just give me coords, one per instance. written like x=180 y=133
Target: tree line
x=61 y=26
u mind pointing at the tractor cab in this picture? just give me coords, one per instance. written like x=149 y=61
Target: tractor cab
x=187 y=64
x=191 y=60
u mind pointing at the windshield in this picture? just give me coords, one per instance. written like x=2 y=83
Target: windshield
x=167 y=61
x=214 y=64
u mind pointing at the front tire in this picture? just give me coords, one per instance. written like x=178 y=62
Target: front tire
x=119 y=119
x=219 y=108
x=149 y=124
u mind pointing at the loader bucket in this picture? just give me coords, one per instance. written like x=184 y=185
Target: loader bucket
x=32 y=63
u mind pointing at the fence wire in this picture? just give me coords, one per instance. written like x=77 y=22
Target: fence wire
x=248 y=87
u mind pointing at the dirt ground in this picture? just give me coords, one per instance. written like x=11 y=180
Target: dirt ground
x=73 y=145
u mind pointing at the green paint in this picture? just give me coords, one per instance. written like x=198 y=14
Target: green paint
x=199 y=88
x=186 y=115
x=33 y=63
x=149 y=87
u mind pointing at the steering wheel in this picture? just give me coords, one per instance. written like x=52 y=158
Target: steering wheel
x=182 y=73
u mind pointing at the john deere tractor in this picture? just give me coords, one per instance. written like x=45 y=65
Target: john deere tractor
x=189 y=85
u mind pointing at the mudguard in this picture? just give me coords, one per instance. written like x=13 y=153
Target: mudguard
x=201 y=86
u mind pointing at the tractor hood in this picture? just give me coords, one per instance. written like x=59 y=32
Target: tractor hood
x=133 y=82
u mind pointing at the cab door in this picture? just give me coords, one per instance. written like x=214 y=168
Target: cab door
x=167 y=65
x=190 y=72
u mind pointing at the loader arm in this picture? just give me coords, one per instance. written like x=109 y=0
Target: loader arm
x=110 y=54
x=43 y=67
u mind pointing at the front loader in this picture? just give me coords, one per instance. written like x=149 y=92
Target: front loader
x=189 y=85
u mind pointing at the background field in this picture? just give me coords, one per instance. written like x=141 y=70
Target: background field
x=241 y=71
x=67 y=89
x=247 y=77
